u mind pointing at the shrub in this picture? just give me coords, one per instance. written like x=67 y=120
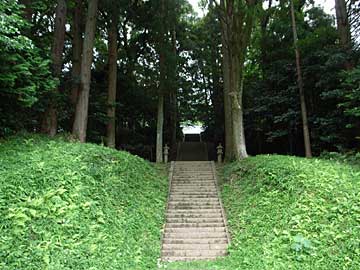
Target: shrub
x=77 y=206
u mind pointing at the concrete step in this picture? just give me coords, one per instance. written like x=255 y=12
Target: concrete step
x=178 y=259
x=193 y=189
x=195 y=229
x=194 y=193
x=195 y=220
x=194 y=215
x=186 y=179
x=193 y=253
x=191 y=184
x=193 y=207
x=195 y=225
x=190 y=197
x=193 y=175
x=180 y=182
x=194 y=211
x=196 y=241
x=194 y=203
x=194 y=200
x=194 y=246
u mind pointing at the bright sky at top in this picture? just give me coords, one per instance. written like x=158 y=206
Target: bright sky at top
x=327 y=4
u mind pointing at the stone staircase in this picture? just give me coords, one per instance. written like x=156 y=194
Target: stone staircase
x=195 y=222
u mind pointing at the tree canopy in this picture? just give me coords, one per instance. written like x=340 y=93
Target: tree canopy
x=125 y=65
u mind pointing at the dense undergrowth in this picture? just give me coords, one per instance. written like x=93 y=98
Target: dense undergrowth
x=290 y=213
x=77 y=206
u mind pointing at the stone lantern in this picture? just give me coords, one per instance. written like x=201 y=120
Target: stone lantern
x=220 y=151
x=166 y=153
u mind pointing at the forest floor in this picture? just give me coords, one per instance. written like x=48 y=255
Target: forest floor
x=289 y=213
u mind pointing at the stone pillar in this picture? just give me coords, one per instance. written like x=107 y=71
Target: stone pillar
x=220 y=152
x=166 y=153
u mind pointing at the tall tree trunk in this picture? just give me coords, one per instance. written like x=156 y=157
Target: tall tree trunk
x=229 y=149
x=76 y=50
x=237 y=25
x=236 y=93
x=343 y=26
x=216 y=93
x=113 y=56
x=28 y=11
x=160 y=112
x=82 y=106
x=173 y=101
x=159 y=129
x=307 y=143
x=49 y=122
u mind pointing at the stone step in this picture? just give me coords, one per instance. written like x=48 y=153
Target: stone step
x=193 y=215
x=193 y=253
x=182 y=197
x=194 y=203
x=193 y=207
x=193 y=181
x=192 y=184
x=178 y=259
x=194 y=189
x=195 y=225
x=194 y=211
x=194 y=200
x=195 y=241
x=195 y=229
x=194 y=193
x=187 y=204
x=187 y=173
x=195 y=220
x=198 y=192
x=194 y=246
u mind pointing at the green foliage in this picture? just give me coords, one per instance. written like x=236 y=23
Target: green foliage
x=290 y=213
x=271 y=99
x=24 y=75
x=77 y=206
x=351 y=84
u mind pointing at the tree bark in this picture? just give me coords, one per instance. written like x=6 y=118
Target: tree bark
x=237 y=24
x=344 y=30
x=82 y=106
x=159 y=129
x=76 y=50
x=343 y=23
x=113 y=56
x=173 y=101
x=160 y=111
x=229 y=149
x=28 y=11
x=49 y=123
x=307 y=142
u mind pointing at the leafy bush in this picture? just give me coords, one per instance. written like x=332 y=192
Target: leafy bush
x=290 y=213
x=348 y=157
x=77 y=206
x=25 y=75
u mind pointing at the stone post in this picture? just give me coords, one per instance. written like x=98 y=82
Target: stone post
x=166 y=153
x=220 y=152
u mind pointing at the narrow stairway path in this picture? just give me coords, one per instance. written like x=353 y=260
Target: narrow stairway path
x=195 y=222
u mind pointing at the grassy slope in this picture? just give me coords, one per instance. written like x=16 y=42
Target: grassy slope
x=77 y=206
x=290 y=213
